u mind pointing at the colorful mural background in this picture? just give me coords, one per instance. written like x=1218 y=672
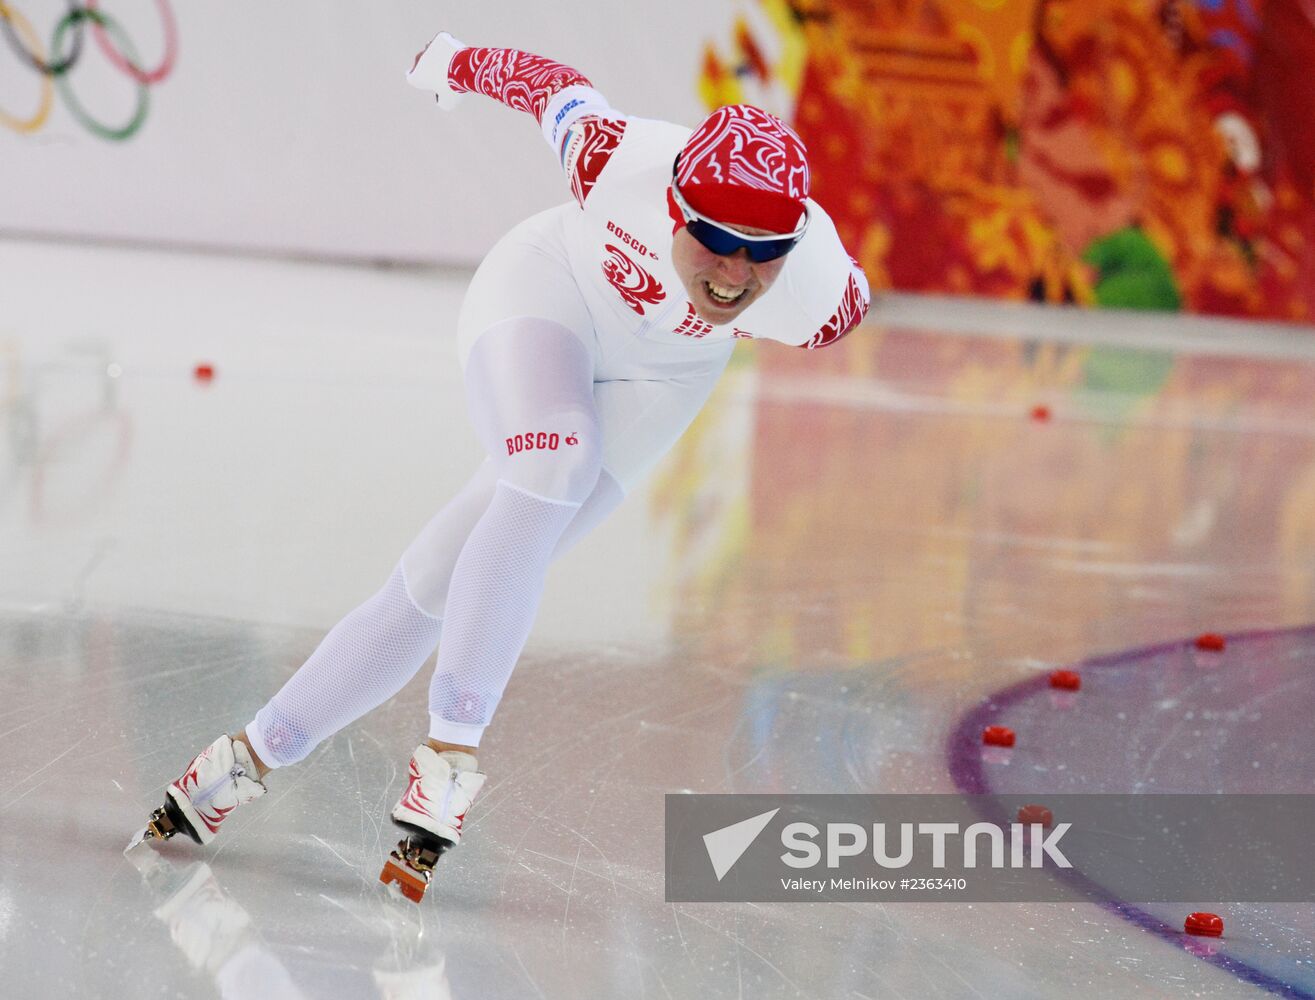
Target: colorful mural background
x=1153 y=154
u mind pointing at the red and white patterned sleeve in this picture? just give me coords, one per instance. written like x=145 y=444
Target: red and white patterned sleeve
x=520 y=80
x=853 y=307
x=577 y=122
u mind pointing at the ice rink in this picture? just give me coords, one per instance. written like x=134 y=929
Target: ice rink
x=855 y=558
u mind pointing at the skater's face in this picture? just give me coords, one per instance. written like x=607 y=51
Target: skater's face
x=721 y=287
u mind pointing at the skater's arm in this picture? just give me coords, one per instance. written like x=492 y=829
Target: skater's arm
x=576 y=120
x=520 y=80
x=849 y=313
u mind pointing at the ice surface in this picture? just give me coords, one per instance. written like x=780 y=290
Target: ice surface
x=850 y=553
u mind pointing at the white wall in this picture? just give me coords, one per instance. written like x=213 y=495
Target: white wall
x=288 y=127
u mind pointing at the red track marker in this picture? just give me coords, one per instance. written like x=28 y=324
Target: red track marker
x=1033 y=813
x=1204 y=924
x=1066 y=680
x=998 y=736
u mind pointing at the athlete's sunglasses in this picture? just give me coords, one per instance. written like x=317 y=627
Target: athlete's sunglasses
x=724 y=241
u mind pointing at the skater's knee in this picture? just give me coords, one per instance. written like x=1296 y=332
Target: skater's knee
x=426 y=577
x=559 y=458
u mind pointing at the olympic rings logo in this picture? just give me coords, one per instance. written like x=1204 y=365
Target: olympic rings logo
x=66 y=49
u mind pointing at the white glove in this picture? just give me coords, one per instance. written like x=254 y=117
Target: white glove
x=429 y=71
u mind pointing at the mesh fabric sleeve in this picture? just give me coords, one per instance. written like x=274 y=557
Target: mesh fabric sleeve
x=577 y=122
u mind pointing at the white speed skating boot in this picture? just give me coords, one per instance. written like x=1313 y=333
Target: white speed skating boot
x=432 y=811
x=218 y=780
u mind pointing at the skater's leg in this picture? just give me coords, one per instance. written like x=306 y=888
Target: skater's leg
x=605 y=498
x=429 y=559
x=530 y=384
x=364 y=660
x=375 y=650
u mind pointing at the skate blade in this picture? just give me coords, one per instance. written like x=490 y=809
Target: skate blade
x=410 y=882
x=144 y=834
x=160 y=826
